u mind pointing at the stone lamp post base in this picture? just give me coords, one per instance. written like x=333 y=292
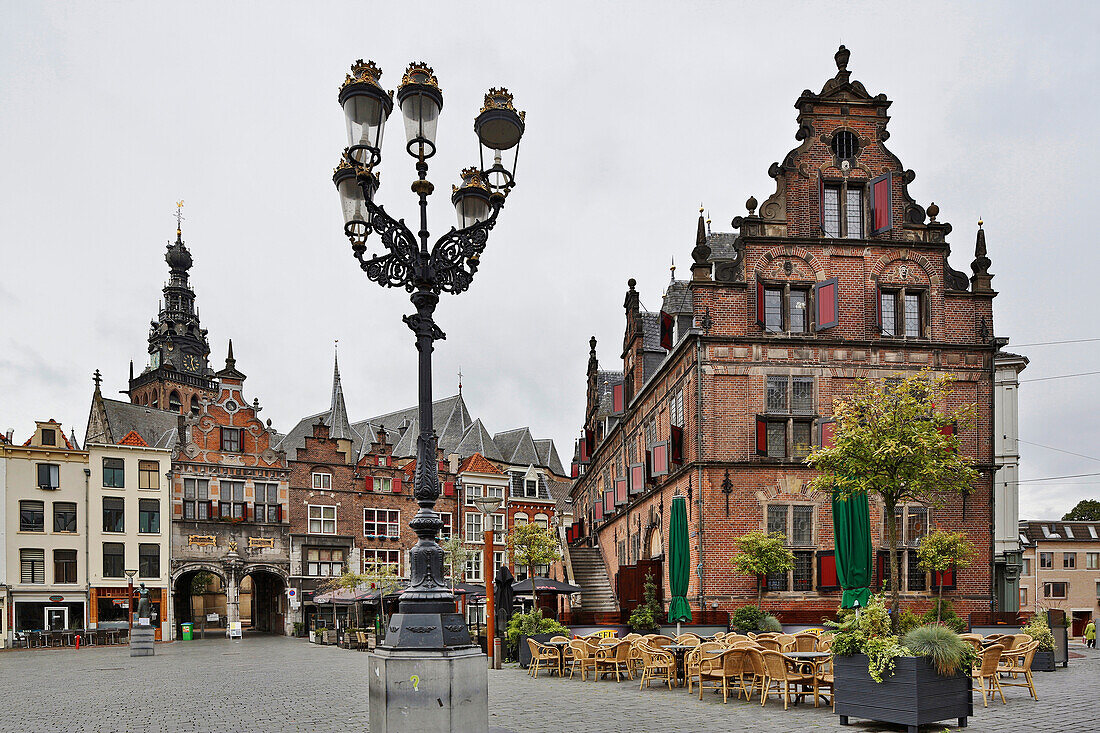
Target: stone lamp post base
x=412 y=691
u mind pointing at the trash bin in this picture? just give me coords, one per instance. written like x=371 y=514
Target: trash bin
x=188 y=630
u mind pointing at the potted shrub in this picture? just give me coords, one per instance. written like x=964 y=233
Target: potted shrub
x=644 y=619
x=879 y=677
x=535 y=626
x=318 y=636
x=746 y=619
x=1038 y=629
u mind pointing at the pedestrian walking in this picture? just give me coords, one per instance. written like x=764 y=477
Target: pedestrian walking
x=1090 y=634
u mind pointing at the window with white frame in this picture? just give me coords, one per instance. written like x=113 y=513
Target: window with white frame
x=498 y=527
x=473 y=491
x=499 y=559
x=473 y=527
x=378 y=559
x=322 y=519
x=446 y=529
x=381 y=522
x=1092 y=560
x=324 y=562
x=322 y=481
x=473 y=567
x=196 y=498
x=542 y=520
x=383 y=485
x=520 y=519
x=531 y=488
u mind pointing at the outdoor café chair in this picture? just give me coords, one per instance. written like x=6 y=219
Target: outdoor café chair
x=542 y=656
x=1018 y=662
x=734 y=638
x=721 y=671
x=655 y=664
x=753 y=670
x=987 y=673
x=772 y=645
x=824 y=674
x=768 y=635
x=687 y=639
x=660 y=640
x=616 y=660
x=779 y=672
x=583 y=656
x=786 y=642
x=805 y=642
x=1019 y=641
x=693 y=659
x=825 y=643
x=974 y=640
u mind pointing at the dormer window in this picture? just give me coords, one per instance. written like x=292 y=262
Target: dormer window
x=842 y=210
x=49 y=437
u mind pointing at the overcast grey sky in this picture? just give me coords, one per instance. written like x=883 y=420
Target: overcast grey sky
x=636 y=113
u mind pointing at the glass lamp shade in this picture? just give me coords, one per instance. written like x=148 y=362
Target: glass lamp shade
x=353 y=205
x=421 y=101
x=471 y=199
x=366 y=107
x=499 y=128
x=487 y=504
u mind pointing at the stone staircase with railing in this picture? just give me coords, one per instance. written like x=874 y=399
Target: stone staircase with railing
x=597 y=596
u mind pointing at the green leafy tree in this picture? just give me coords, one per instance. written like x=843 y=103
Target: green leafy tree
x=759 y=553
x=1087 y=510
x=890 y=442
x=645 y=614
x=531 y=545
x=455 y=556
x=941 y=551
x=375 y=576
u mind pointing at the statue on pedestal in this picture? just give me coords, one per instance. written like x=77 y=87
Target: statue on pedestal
x=144 y=607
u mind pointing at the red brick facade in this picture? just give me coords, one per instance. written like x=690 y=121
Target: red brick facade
x=790 y=254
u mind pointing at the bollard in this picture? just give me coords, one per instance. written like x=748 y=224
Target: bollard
x=77 y=642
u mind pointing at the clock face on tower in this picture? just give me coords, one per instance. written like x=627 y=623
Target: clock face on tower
x=191 y=362
x=154 y=359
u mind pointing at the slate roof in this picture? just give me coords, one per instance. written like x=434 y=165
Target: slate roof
x=722 y=246
x=158 y=428
x=1032 y=531
x=604 y=380
x=478 y=441
x=450 y=418
x=651 y=331
x=518 y=447
x=339 y=427
x=678 y=299
x=548 y=456
x=516 y=486
x=559 y=492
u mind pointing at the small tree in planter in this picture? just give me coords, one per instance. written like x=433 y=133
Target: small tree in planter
x=941 y=551
x=878 y=677
x=759 y=553
x=531 y=545
x=897 y=441
x=644 y=616
x=1039 y=630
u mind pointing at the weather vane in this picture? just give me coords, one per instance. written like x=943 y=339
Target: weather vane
x=179 y=217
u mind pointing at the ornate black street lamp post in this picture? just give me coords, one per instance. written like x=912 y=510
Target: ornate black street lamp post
x=426 y=618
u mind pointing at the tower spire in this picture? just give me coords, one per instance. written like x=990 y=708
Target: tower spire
x=339 y=426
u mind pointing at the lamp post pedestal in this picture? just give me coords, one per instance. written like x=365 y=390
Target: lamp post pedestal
x=439 y=690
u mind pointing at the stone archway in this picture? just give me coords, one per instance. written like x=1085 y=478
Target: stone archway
x=654 y=547
x=199 y=591
x=262 y=601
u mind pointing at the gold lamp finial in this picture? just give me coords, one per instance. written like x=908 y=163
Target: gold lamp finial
x=980 y=222
x=179 y=218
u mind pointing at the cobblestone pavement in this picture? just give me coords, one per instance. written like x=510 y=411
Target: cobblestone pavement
x=278 y=685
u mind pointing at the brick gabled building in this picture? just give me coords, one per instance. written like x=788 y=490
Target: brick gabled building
x=350 y=502
x=839 y=275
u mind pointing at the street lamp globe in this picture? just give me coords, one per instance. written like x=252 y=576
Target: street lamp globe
x=499 y=128
x=421 y=101
x=487 y=504
x=471 y=199
x=353 y=205
x=366 y=107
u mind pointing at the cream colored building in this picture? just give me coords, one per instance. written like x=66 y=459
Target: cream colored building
x=1061 y=570
x=130 y=510
x=45 y=527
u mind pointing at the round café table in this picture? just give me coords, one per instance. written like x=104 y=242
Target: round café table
x=561 y=644
x=679 y=651
x=807 y=660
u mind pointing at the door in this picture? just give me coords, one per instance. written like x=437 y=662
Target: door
x=1080 y=621
x=57 y=618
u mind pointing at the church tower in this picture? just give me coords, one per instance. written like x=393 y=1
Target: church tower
x=178 y=375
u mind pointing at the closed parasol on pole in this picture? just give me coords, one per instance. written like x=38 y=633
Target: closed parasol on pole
x=679 y=563
x=852 y=536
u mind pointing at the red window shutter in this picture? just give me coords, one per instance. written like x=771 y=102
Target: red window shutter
x=666 y=331
x=244 y=511
x=582 y=446
x=279 y=513
x=448 y=488
x=660 y=459
x=821 y=204
x=826 y=571
x=759 y=303
x=442 y=467
x=826 y=304
x=637 y=478
x=396 y=484
x=590 y=441
x=949 y=431
x=881 y=204
x=389 y=461
x=618 y=395
x=575 y=470
x=608 y=501
x=676 y=433
x=761 y=435
x=826 y=429
x=944 y=579
x=597 y=510
x=368 y=483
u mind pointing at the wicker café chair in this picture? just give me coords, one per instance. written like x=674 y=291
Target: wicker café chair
x=805 y=642
x=987 y=673
x=722 y=671
x=772 y=645
x=824 y=674
x=542 y=657
x=583 y=656
x=778 y=672
x=656 y=664
x=753 y=671
x=660 y=641
x=974 y=640
x=1016 y=663
x=1019 y=641
x=825 y=643
x=732 y=639
x=786 y=642
x=689 y=640
x=705 y=650
x=614 y=660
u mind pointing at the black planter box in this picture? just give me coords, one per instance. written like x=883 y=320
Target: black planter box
x=524 y=651
x=914 y=695
x=1043 y=661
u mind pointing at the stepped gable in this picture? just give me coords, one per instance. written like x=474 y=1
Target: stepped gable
x=478 y=441
x=335 y=418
